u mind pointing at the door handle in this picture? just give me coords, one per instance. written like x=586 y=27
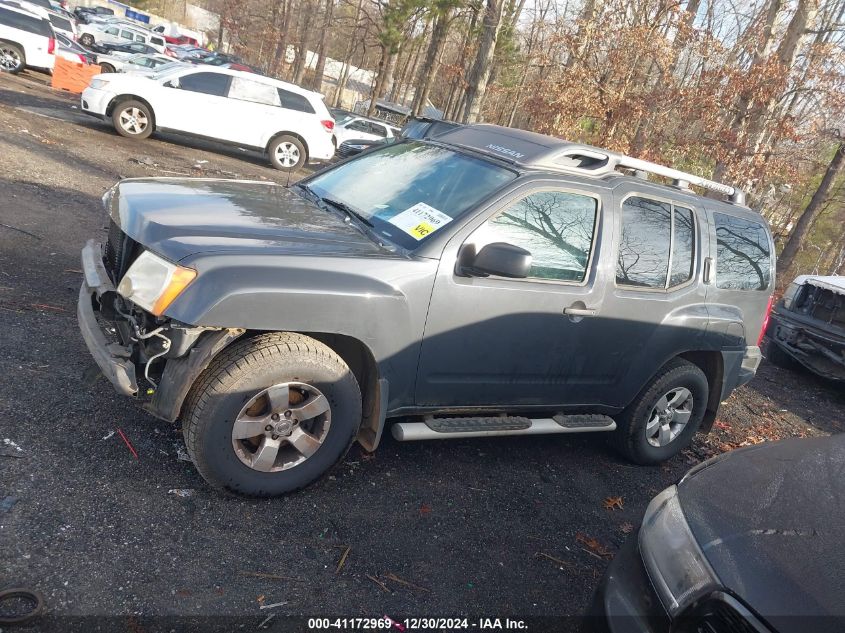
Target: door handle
x=581 y=312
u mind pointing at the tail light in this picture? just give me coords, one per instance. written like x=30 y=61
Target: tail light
x=765 y=320
x=328 y=125
x=51 y=46
x=169 y=52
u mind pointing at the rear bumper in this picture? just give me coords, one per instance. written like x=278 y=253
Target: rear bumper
x=750 y=363
x=113 y=359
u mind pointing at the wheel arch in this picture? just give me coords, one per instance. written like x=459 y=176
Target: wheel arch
x=172 y=399
x=713 y=365
x=129 y=97
x=298 y=137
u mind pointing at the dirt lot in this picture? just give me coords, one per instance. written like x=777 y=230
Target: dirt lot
x=490 y=528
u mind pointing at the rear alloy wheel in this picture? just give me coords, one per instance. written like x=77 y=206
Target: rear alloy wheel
x=287 y=153
x=86 y=40
x=271 y=414
x=132 y=119
x=12 y=59
x=664 y=417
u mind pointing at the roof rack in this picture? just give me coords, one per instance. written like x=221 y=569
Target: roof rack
x=597 y=162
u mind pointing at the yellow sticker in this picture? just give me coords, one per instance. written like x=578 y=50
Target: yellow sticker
x=420 y=220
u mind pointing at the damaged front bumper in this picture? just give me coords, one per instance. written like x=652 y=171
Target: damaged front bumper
x=113 y=359
x=819 y=349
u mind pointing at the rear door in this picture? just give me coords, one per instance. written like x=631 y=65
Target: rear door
x=655 y=303
x=534 y=342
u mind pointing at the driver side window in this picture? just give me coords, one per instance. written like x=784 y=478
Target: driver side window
x=556 y=227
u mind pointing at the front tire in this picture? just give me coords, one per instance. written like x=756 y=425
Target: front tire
x=87 y=40
x=664 y=417
x=106 y=68
x=12 y=58
x=287 y=153
x=271 y=415
x=133 y=119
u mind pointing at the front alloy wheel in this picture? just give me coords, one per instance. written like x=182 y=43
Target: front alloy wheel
x=281 y=427
x=133 y=119
x=271 y=414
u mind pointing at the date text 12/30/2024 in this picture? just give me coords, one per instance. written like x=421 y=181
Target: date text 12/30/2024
x=417 y=624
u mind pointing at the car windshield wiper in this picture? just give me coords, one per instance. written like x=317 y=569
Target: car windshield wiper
x=349 y=211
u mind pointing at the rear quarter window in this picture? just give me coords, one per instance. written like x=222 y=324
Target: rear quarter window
x=743 y=254
x=294 y=101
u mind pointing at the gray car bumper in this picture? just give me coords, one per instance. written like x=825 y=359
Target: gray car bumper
x=113 y=359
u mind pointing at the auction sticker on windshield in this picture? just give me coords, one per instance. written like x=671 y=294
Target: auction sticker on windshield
x=420 y=220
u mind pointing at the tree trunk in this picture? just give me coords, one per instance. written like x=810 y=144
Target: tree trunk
x=480 y=74
x=347 y=58
x=317 y=83
x=384 y=68
x=301 y=63
x=432 y=62
x=796 y=238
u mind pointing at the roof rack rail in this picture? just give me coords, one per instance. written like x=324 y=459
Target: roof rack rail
x=600 y=162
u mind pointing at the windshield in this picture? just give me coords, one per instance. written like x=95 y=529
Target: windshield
x=408 y=191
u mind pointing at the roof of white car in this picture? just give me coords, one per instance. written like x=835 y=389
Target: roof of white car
x=835 y=283
x=31 y=10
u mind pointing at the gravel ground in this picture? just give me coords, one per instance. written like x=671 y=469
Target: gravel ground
x=490 y=527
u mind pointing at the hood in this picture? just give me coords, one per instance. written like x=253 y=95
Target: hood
x=176 y=218
x=770 y=520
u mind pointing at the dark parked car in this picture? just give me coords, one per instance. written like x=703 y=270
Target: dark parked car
x=419 y=128
x=747 y=542
x=356 y=146
x=491 y=282
x=82 y=13
x=422 y=127
x=807 y=326
x=134 y=48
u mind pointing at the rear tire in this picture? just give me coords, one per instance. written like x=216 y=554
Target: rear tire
x=241 y=393
x=12 y=58
x=664 y=417
x=107 y=68
x=287 y=153
x=133 y=119
x=87 y=40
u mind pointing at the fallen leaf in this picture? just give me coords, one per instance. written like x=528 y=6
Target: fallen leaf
x=613 y=503
x=596 y=548
x=260 y=599
x=425 y=509
x=626 y=527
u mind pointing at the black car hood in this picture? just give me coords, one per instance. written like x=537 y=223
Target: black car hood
x=176 y=218
x=771 y=521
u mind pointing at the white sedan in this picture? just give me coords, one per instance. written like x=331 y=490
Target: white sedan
x=291 y=124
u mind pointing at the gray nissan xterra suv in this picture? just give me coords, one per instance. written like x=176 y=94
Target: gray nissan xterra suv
x=489 y=282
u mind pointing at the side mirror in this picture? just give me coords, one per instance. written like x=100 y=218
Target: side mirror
x=173 y=83
x=500 y=259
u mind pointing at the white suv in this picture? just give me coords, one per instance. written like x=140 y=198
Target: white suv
x=116 y=32
x=357 y=127
x=291 y=124
x=26 y=39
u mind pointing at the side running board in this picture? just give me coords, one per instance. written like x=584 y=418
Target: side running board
x=434 y=428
